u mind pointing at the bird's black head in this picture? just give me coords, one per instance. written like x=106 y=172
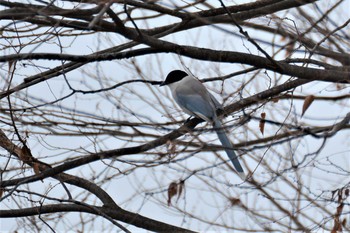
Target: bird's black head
x=174 y=76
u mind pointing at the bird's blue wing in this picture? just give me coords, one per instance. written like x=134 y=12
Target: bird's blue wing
x=195 y=99
x=196 y=105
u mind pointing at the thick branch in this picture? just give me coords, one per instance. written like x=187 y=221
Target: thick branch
x=117 y=214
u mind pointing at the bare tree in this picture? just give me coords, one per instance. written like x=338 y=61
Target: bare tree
x=91 y=143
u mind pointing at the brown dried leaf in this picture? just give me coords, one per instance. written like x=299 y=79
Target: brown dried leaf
x=11 y=63
x=36 y=168
x=26 y=133
x=307 y=102
x=172 y=148
x=24 y=154
x=339 y=86
x=289 y=49
x=1 y=192
x=275 y=100
x=262 y=122
x=343 y=223
x=180 y=188
x=172 y=191
x=234 y=201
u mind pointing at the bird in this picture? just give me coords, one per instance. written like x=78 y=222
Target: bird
x=195 y=99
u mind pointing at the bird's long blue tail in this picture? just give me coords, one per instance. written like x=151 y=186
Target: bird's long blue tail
x=226 y=143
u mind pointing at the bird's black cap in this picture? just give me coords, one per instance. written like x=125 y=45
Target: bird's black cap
x=174 y=76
